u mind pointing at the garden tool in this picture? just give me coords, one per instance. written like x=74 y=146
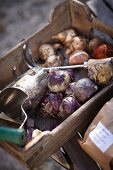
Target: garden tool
x=13 y=99
x=12 y=135
x=99 y=70
x=27 y=90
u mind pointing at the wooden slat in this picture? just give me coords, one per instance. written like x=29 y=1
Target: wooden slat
x=80 y=16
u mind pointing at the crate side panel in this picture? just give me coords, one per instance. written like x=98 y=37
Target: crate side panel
x=80 y=16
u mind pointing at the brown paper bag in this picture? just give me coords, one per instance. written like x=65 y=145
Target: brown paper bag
x=98 y=139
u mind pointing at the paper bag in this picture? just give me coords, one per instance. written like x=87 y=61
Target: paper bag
x=98 y=139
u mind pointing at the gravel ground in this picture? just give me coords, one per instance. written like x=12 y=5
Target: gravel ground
x=7 y=162
x=18 y=20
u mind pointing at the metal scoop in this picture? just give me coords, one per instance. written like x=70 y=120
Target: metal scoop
x=13 y=98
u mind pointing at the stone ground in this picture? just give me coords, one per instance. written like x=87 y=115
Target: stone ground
x=18 y=20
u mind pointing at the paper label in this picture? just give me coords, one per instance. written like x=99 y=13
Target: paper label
x=101 y=137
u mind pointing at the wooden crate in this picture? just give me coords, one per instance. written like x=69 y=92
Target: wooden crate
x=65 y=15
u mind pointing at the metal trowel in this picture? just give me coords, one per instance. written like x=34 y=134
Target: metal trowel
x=12 y=99
x=12 y=135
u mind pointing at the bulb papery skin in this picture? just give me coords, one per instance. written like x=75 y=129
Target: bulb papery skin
x=58 y=81
x=50 y=105
x=68 y=106
x=85 y=89
x=70 y=91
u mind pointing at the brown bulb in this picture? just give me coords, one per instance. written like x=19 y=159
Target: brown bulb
x=78 y=57
x=54 y=61
x=94 y=43
x=45 y=51
x=65 y=36
x=79 y=43
x=103 y=51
